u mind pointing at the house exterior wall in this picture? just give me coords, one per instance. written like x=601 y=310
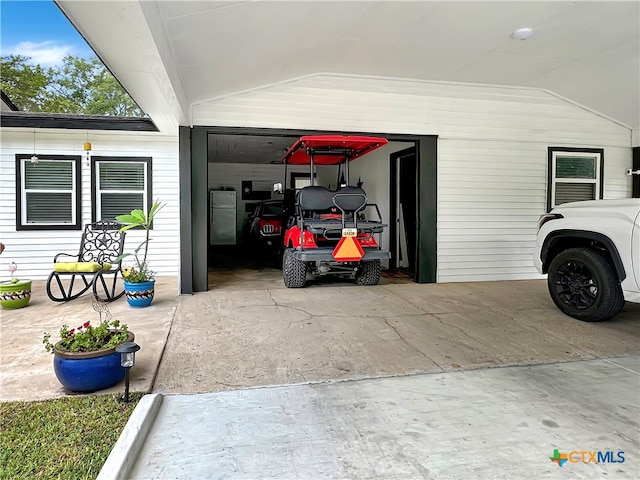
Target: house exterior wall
x=33 y=250
x=492 y=152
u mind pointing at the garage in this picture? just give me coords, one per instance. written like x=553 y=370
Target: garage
x=243 y=164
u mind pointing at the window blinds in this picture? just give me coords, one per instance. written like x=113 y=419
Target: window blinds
x=48 y=191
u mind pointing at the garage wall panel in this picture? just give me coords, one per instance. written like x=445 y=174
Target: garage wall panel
x=231 y=175
x=33 y=251
x=492 y=152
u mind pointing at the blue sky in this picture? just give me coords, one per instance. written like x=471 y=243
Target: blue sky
x=38 y=29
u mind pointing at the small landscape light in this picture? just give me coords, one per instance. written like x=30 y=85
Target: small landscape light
x=127 y=351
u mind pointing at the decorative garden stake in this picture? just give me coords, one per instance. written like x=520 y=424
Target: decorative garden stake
x=127 y=351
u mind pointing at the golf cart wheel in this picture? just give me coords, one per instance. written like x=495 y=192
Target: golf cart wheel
x=368 y=273
x=294 y=271
x=583 y=284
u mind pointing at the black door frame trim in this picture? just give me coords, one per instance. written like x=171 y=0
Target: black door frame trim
x=196 y=238
x=393 y=192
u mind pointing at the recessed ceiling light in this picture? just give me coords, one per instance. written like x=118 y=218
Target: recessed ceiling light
x=522 y=34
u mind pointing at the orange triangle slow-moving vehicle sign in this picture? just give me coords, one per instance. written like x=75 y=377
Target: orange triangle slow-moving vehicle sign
x=348 y=250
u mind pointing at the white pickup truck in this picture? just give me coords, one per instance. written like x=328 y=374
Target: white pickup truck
x=591 y=252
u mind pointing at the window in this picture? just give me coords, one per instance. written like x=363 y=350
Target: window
x=300 y=180
x=48 y=192
x=119 y=184
x=575 y=174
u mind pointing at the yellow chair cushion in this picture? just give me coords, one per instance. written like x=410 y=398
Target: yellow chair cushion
x=80 y=267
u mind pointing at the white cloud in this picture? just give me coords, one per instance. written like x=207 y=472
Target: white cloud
x=46 y=54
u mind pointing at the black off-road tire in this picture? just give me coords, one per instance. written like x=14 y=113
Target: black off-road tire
x=368 y=273
x=583 y=284
x=294 y=271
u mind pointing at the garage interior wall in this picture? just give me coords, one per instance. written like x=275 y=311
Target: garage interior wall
x=492 y=152
x=373 y=170
x=231 y=176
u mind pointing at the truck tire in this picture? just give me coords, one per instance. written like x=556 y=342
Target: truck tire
x=368 y=273
x=583 y=284
x=294 y=271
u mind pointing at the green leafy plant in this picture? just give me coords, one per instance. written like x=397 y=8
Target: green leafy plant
x=137 y=218
x=87 y=338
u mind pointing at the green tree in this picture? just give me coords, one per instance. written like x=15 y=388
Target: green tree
x=78 y=86
x=25 y=84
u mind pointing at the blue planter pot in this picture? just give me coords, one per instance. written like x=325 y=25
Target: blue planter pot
x=139 y=294
x=90 y=371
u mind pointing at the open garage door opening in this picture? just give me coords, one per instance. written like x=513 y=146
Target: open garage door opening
x=244 y=241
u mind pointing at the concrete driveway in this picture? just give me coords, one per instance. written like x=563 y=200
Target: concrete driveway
x=251 y=331
x=416 y=400
x=381 y=382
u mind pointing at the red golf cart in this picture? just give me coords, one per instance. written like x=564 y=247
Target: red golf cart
x=331 y=231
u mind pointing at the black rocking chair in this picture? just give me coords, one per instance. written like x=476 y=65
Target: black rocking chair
x=97 y=264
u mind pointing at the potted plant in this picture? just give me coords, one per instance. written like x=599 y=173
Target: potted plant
x=85 y=359
x=14 y=293
x=139 y=279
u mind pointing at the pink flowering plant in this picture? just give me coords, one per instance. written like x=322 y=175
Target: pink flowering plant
x=87 y=338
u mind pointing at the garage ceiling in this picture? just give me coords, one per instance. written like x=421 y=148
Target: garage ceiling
x=247 y=148
x=171 y=55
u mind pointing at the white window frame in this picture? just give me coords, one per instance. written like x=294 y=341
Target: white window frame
x=21 y=208
x=97 y=192
x=555 y=152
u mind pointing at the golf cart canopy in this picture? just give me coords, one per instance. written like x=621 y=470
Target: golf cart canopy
x=330 y=149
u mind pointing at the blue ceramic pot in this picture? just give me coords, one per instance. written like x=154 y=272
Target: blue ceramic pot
x=89 y=371
x=139 y=294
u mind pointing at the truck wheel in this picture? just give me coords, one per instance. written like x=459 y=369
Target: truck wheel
x=584 y=285
x=294 y=271
x=368 y=273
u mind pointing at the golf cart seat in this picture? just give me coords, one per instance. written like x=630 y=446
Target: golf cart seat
x=96 y=266
x=350 y=199
x=313 y=200
x=326 y=213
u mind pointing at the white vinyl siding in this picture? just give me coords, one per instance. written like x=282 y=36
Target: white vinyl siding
x=492 y=152
x=33 y=251
x=121 y=186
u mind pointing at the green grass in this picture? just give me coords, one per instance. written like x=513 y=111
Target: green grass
x=65 y=438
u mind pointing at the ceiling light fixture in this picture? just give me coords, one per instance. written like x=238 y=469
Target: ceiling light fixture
x=522 y=33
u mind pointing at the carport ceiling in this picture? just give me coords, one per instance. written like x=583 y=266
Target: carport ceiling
x=188 y=52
